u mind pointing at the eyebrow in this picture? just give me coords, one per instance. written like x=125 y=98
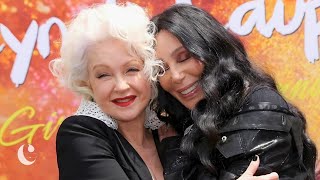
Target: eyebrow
x=99 y=65
x=131 y=61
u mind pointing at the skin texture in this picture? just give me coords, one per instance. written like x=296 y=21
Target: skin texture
x=179 y=79
x=121 y=90
x=117 y=81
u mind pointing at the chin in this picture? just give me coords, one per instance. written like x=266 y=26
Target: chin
x=189 y=106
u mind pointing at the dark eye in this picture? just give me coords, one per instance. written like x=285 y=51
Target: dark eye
x=132 y=69
x=184 y=56
x=164 y=69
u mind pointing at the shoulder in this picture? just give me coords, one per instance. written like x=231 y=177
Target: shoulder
x=82 y=136
x=265 y=94
x=83 y=146
x=83 y=130
x=264 y=109
x=83 y=123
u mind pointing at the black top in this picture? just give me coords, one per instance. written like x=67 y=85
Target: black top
x=87 y=149
x=264 y=126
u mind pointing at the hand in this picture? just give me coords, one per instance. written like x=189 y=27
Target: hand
x=166 y=131
x=317 y=169
x=253 y=166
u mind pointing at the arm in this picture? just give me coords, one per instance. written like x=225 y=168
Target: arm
x=266 y=129
x=84 y=153
x=178 y=166
x=274 y=148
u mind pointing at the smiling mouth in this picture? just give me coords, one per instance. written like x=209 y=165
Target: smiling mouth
x=125 y=101
x=190 y=89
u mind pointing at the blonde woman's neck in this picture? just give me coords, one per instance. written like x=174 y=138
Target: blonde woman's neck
x=135 y=133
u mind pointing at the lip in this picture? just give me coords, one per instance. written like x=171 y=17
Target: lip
x=186 y=87
x=191 y=93
x=124 y=101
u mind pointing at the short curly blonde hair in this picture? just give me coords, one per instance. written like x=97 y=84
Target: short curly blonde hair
x=128 y=23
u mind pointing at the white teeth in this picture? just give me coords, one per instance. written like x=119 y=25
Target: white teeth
x=193 y=87
x=123 y=100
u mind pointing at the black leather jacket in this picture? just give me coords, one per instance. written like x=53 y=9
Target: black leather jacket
x=263 y=127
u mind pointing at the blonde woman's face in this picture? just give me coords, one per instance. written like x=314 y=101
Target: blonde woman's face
x=118 y=83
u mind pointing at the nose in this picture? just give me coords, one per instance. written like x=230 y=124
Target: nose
x=121 y=84
x=177 y=75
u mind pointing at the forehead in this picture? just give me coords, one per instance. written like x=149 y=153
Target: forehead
x=166 y=44
x=164 y=36
x=109 y=51
x=106 y=47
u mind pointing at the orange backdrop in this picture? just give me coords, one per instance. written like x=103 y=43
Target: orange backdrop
x=33 y=105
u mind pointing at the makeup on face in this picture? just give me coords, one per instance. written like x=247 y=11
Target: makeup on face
x=117 y=80
x=183 y=71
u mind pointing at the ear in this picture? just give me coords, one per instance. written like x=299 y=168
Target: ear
x=83 y=83
x=87 y=85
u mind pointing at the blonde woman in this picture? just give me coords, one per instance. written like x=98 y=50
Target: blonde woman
x=107 y=57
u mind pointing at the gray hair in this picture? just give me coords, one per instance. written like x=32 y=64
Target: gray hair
x=128 y=23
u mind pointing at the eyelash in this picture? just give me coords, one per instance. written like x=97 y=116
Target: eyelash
x=102 y=75
x=129 y=70
x=164 y=69
x=132 y=69
x=185 y=57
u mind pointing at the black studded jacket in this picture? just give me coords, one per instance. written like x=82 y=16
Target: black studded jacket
x=263 y=127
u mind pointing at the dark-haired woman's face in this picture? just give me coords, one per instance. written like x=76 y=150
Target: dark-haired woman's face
x=183 y=72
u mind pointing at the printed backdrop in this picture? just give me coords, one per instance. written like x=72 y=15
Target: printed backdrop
x=281 y=36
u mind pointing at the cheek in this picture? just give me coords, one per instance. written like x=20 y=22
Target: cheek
x=198 y=67
x=198 y=63
x=101 y=90
x=141 y=85
x=150 y=91
x=165 y=82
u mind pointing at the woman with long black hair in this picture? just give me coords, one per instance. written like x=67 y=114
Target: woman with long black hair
x=235 y=109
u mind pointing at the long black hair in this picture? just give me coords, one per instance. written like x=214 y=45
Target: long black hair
x=227 y=77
